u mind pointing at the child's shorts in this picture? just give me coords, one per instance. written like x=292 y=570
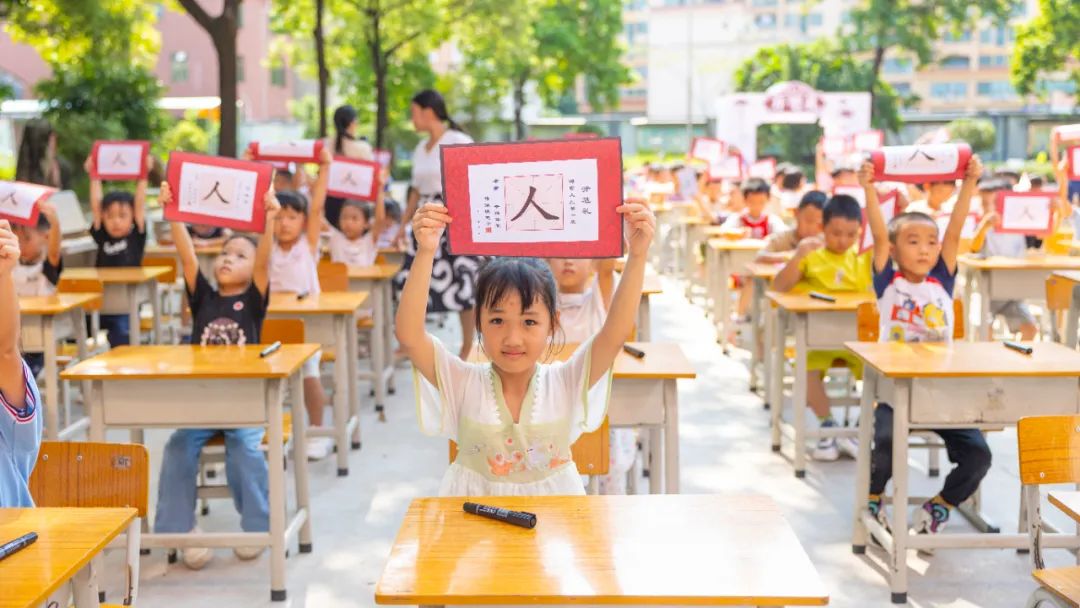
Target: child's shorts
x=311 y=366
x=821 y=360
x=1015 y=312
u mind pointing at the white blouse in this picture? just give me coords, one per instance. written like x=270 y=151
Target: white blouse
x=427 y=164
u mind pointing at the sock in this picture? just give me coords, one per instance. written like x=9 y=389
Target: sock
x=874 y=504
x=938 y=508
x=827 y=420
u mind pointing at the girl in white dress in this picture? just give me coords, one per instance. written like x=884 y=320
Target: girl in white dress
x=514 y=418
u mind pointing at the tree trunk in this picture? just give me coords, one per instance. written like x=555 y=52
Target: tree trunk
x=382 y=120
x=320 y=55
x=879 y=57
x=519 y=107
x=223 y=35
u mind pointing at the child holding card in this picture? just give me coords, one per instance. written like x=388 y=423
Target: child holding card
x=20 y=424
x=914 y=274
x=354 y=241
x=40 y=264
x=516 y=417
x=230 y=314
x=119 y=229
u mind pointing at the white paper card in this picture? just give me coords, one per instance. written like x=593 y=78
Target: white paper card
x=709 y=150
x=921 y=160
x=833 y=146
x=855 y=192
x=351 y=177
x=728 y=168
x=1025 y=213
x=864 y=142
x=888 y=212
x=1074 y=162
x=765 y=169
x=971 y=224
x=217 y=191
x=17 y=199
x=119 y=159
x=534 y=202
x=304 y=148
x=1067 y=132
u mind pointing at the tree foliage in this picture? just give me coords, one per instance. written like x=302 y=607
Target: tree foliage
x=68 y=32
x=1047 y=43
x=979 y=133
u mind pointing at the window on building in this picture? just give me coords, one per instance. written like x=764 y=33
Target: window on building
x=902 y=88
x=791 y=20
x=996 y=35
x=956 y=62
x=277 y=76
x=845 y=18
x=996 y=89
x=897 y=66
x=993 y=61
x=239 y=68
x=964 y=36
x=1058 y=86
x=815 y=19
x=948 y=90
x=765 y=21
x=178 y=66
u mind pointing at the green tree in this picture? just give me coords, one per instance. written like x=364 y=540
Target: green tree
x=979 y=133
x=825 y=67
x=914 y=26
x=1047 y=43
x=222 y=29
x=70 y=32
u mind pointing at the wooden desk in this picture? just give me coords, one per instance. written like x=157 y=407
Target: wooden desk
x=219 y=387
x=392 y=256
x=688 y=231
x=817 y=325
x=651 y=287
x=126 y=288
x=330 y=320
x=724 y=257
x=45 y=322
x=952 y=385
x=595 y=550
x=377 y=280
x=645 y=394
x=1072 y=317
x=204 y=253
x=998 y=278
x=762 y=276
x=68 y=539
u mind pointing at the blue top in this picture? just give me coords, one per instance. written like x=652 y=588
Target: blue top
x=20 y=438
x=912 y=311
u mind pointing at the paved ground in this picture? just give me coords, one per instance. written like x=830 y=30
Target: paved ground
x=725 y=448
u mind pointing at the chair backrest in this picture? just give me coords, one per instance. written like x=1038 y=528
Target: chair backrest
x=869 y=330
x=1058 y=293
x=333 y=276
x=592 y=451
x=1049 y=449
x=286 y=331
x=83 y=474
x=165 y=261
x=82 y=286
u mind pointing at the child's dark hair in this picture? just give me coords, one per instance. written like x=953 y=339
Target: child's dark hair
x=117 y=197
x=793 y=179
x=531 y=278
x=393 y=209
x=360 y=205
x=755 y=184
x=994 y=184
x=842 y=206
x=813 y=198
x=291 y=199
x=242 y=237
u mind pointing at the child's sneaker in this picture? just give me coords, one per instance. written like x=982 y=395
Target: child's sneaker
x=826 y=449
x=248 y=553
x=196 y=558
x=930 y=519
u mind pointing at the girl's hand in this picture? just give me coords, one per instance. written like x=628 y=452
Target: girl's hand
x=271 y=204
x=247 y=155
x=89 y=164
x=9 y=248
x=866 y=175
x=640 y=226
x=429 y=223
x=165 y=198
x=974 y=169
x=325 y=157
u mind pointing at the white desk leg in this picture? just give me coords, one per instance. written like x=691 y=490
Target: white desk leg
x=78 y=320
x=378 y=349
x=388 y=332
x=1072 y=318
x=275 y=455
x=655 y=454
x=862 y=461
x=986 y=322
x=688 y=259
x=84 y=589
x=723 y=272
x=52 y=378
x=756 y=326
x=644 y=330
x=354 y=390
x=300 y=467
x=712 y=304
x=95 y=403
x=798 y=397
x=671 y=437
x=776 y=372
x=135 y=330
x=969 y=289
x=898 y=558
x=341 y=395
x=155 y=310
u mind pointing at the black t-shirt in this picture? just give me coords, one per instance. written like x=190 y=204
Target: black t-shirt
x=52 y=273
x=126 y=251
x=218 y=319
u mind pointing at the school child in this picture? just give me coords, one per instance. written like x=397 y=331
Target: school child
x=939 y=198
x=389 y=234
x=827 y=264
x=754 y=221
x=20 y=424
x=790 y=192
x=515 y=418
x=39 y=267
x=202 y=234
x=119 y=229
x=914 y=275
x=293 y=269
x=808 y=224
x=354 y=241
x=231 y=314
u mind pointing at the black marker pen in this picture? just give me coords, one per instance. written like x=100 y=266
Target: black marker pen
x=301 y=295
x=821 y=296
x=633 y=352
x=517 y=518
x=269 y=350
x=12 y=547
x=1020 y=348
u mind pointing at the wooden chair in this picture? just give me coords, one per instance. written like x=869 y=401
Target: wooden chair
x=1058 y=301
x=87 y=475
x=169 y=293
x=333 y=276
x=1048 y=455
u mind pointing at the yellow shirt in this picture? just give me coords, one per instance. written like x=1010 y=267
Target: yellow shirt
x=823 y=270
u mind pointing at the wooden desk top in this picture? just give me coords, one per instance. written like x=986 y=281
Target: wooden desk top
x=694 y=220
x=663 y=361
x=1037 y=262
x=1069 y=275
x=715 y=550
x=170 y=249
x=1068 y=502
x=191 y=362
x=966 y=359
x=55 y=304
x=764 y=271
x=327 y=302
x=736 y=245
x=802 y=302
x=67 y=540
x=378 y=272
x=120 y=275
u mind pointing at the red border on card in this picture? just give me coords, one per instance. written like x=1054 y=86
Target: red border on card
x=254 y=147
x=33 y=219
x=375 y=185
x=883 y=199
x=1071 y=155
x=1066 y=133
x=723 y=148
x=999 y=206
x=456 y=160
x=878 y=158
x=143 y=168
x=265 y=173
